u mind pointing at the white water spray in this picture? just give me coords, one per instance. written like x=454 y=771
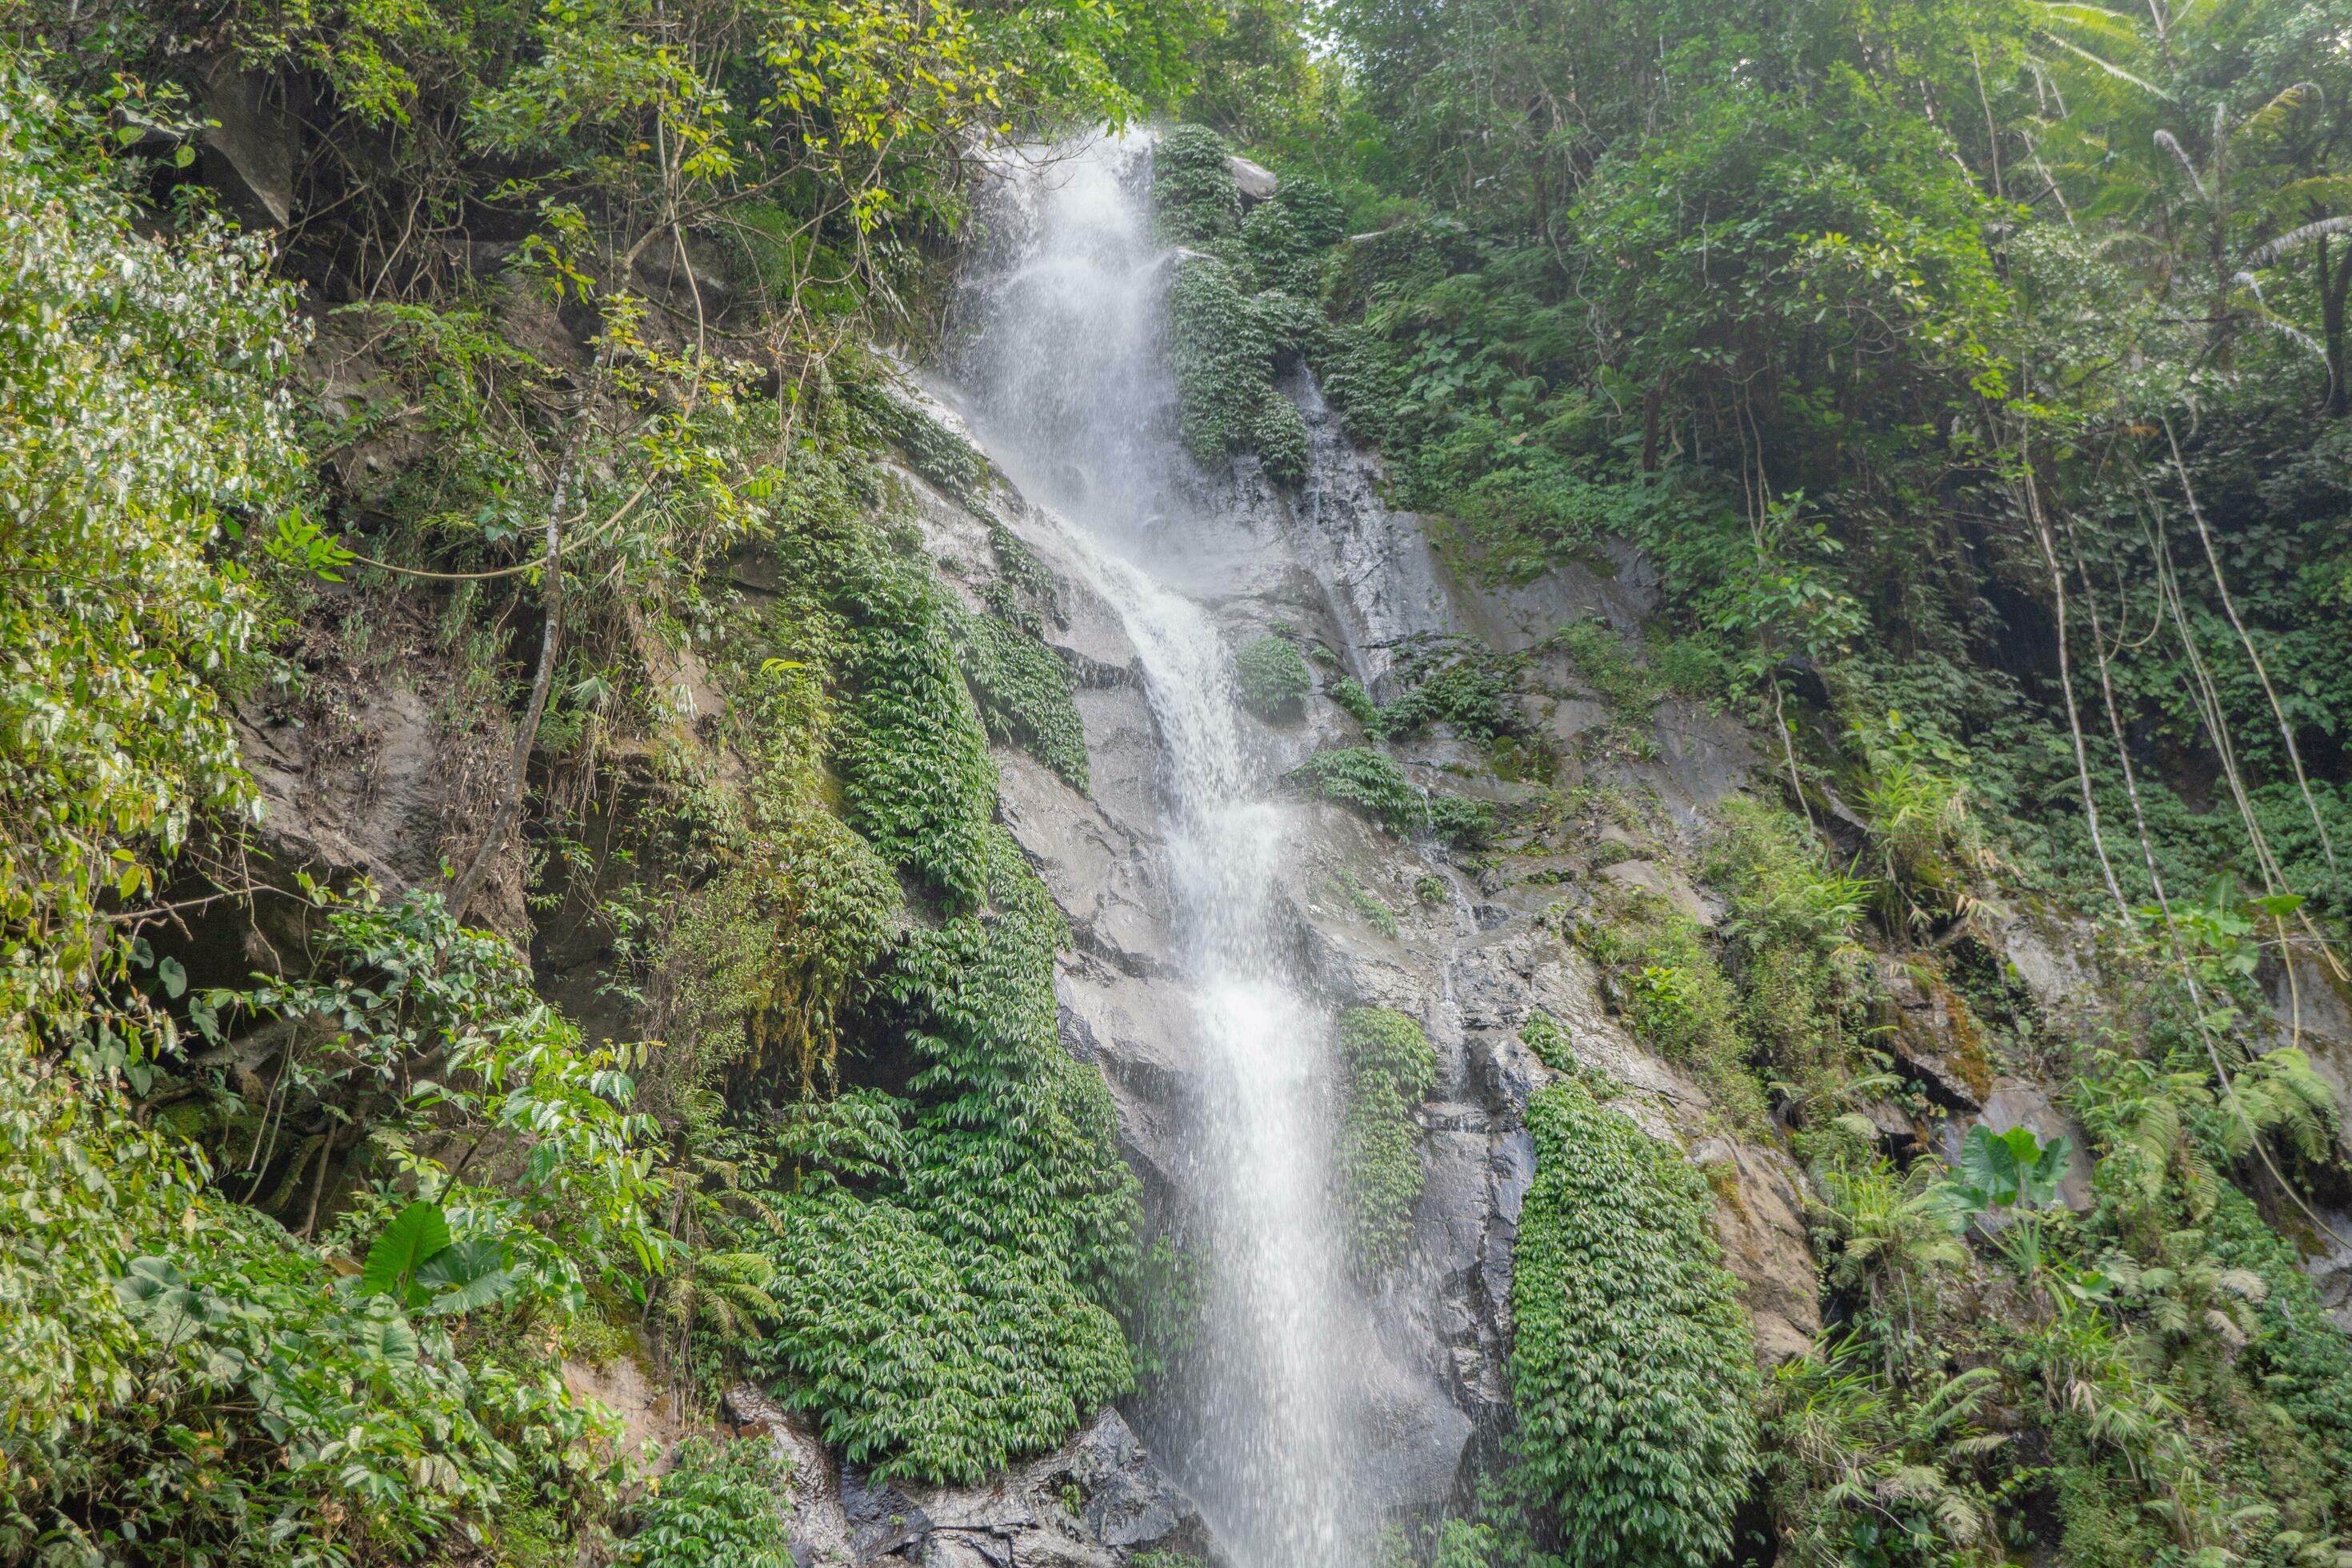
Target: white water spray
x=1065 y=381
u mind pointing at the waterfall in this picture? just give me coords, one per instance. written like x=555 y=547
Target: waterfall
x=1062 y=376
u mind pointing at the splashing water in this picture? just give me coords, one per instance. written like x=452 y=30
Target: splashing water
x=1064 y=378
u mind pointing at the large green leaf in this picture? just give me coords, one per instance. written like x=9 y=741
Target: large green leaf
x=415 y=1234
x=464 y=1276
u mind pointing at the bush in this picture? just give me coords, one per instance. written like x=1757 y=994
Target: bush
x=1279 y=431
x=1024 y=692
x=1632 y=1370
x=1673 y=994
x=1223 y=369
x=1194 y=201
x=1387 y=1067
x=721 y=1505
x=1376 y=787
x=1273 y=676
x=946 y=1264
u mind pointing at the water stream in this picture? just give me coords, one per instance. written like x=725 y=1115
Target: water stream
x=1063 y=378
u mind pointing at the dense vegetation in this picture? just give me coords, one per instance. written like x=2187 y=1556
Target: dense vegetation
x=1973 y=373
x=289 y=1258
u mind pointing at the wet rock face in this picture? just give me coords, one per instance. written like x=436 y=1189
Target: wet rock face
x=1469 y=959
x=1097 y=1502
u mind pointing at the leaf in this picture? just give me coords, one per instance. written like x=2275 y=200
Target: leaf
x=174 y=978
x=415 y=1234
x=464 y=1276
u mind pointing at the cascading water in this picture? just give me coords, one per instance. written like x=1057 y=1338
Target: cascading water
x=1063 y=378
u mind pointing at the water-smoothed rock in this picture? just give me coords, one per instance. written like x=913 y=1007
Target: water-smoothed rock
x=1096 y=1502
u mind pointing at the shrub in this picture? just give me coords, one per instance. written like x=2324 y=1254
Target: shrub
x=1386 y=1066
x=1024 y=692
x=1222 y=366
x=1457 y=681
x=1376 y=787
x=948 y=1263
x=1631 y=1366
x=1273 y=677
x=721 y=1505
x=147 y=414
x=1194 y=201
x=1673 y=994
x=1279 y=431
x=917 y=778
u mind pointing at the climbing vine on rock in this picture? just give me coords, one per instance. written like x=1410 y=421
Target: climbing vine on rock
x=1386 y=1067
x=1372 y=783
x=1631 y=1366
x=1273 y=676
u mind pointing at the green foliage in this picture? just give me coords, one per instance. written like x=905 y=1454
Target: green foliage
x=2305 y=1360
x=993 y=1195
x=1278 y=432
x=936 y=453
x=1606 y=665
x=1457 y=681
x=721 y=1504
x=1024 y=692
x=1803 y=978
x=917 y=778
x=1221 y=361
x=1376 y=787
x=1631 y=1369
x=769 y=955
x=1273 y=677
x=1367 y=905
x=1387 y=1068
x=1194 y=198
x=1863 y=1470
x=402 y=983
x=148 y=425
x=2008 y=1170
x=278 y=1410
x=1674 y=994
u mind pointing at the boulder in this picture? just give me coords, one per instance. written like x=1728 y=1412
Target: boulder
x=1256 y=182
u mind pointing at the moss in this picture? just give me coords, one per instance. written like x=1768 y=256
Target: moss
x=1273 y=677
x=1386 y=1067
x=760 y=963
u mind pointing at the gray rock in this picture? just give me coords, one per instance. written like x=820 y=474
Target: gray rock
x=1256 y=182
x=250 y=149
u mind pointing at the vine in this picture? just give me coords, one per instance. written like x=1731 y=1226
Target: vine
x=1631 y=1368
x=1387 y=1067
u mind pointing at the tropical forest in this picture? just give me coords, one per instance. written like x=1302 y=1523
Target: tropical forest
x=1176 y=783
